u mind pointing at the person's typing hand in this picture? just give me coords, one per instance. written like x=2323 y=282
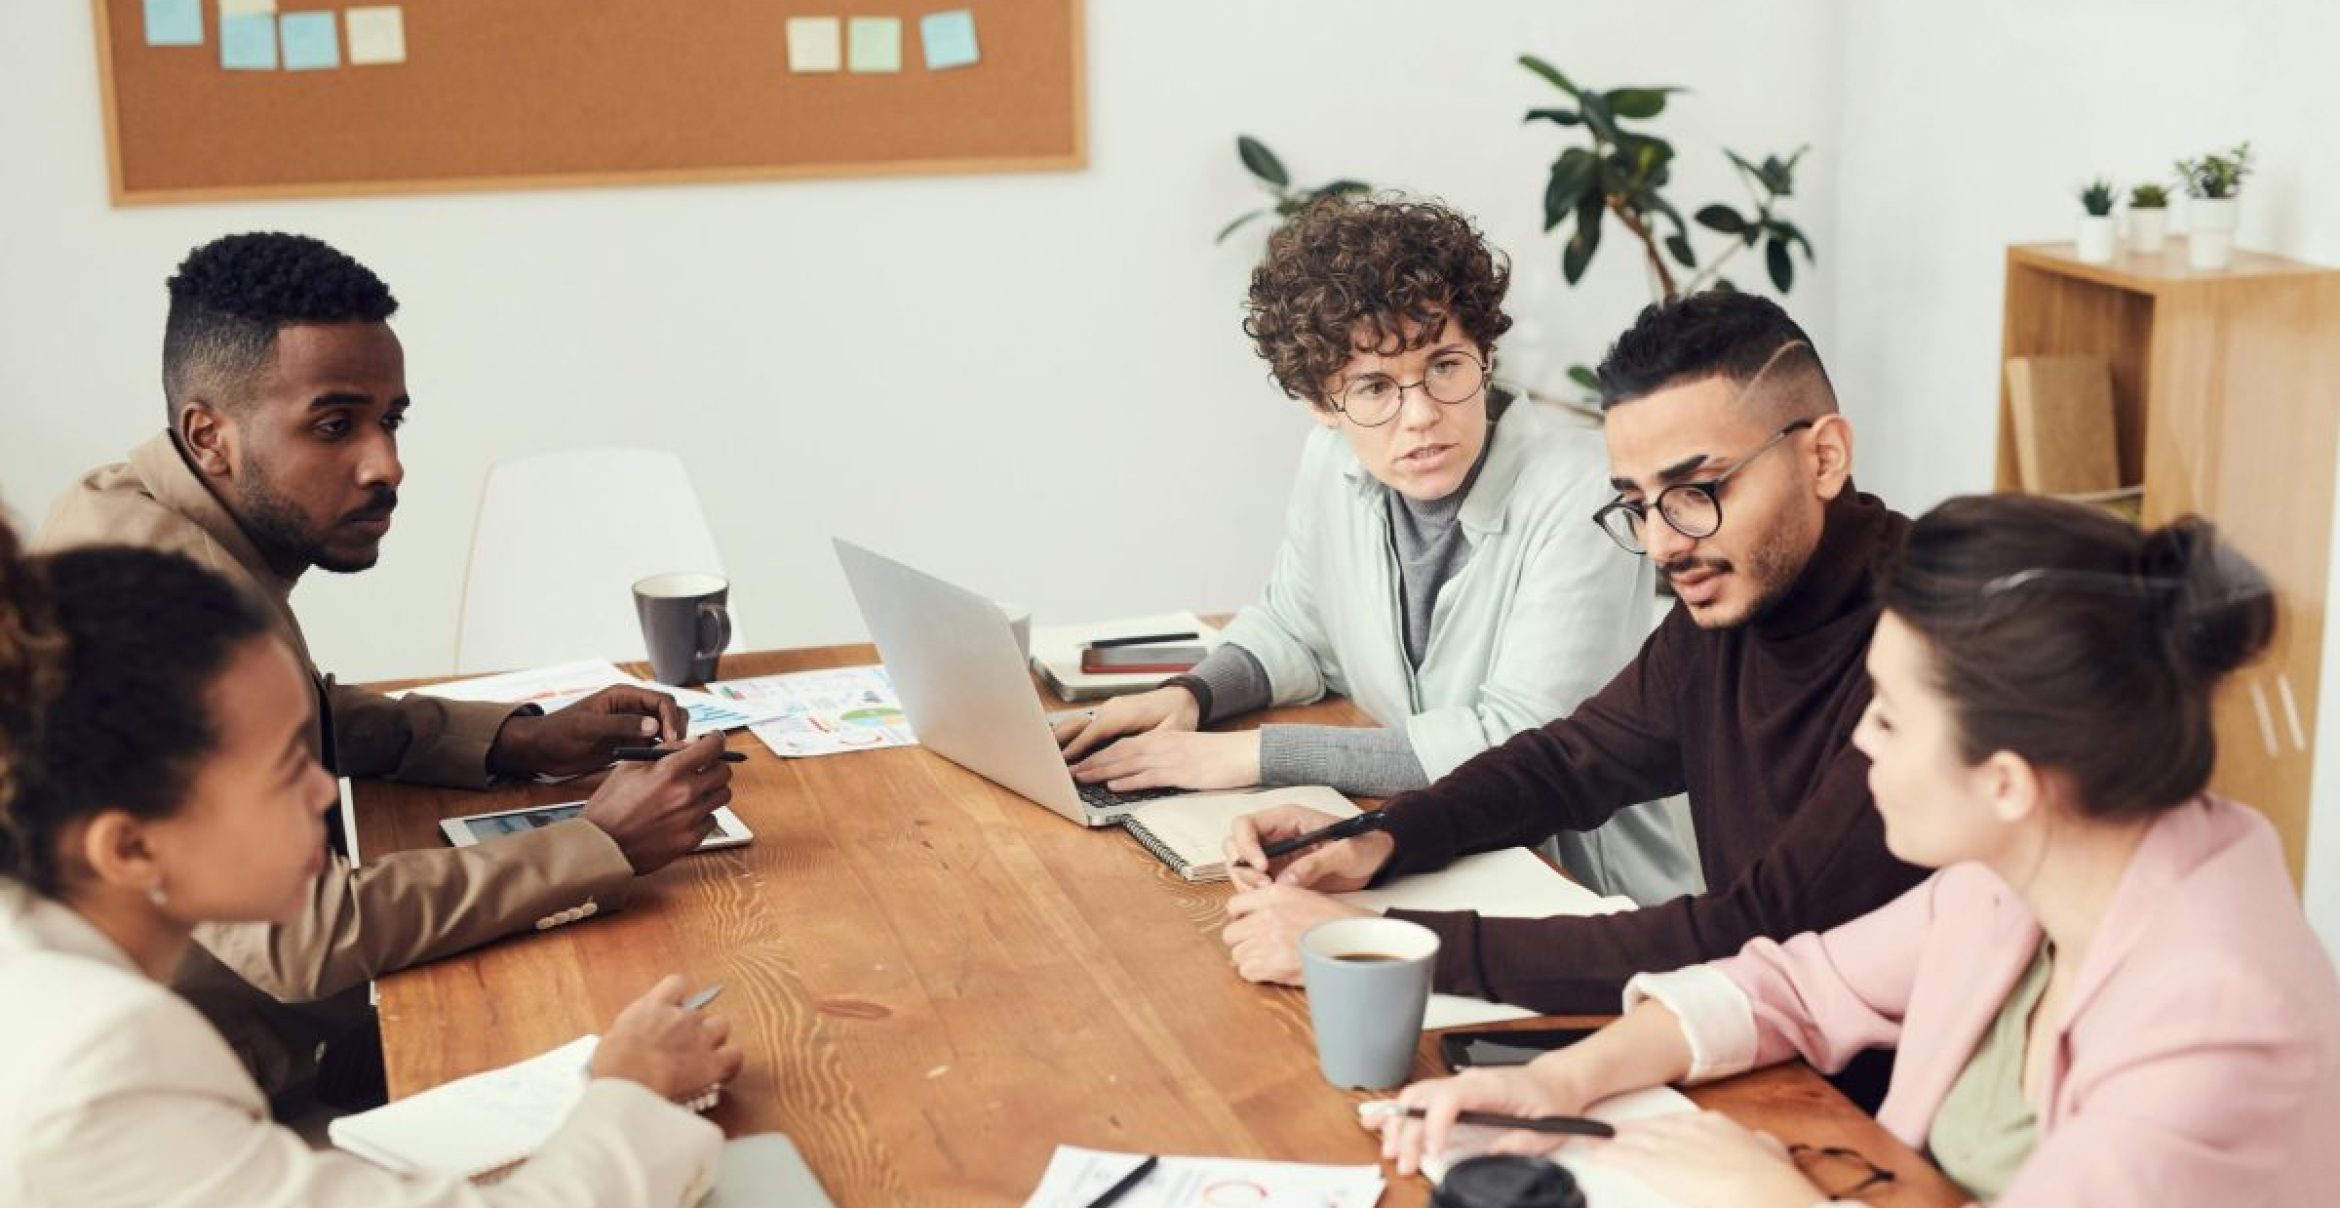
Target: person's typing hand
x=1161 y=709
x=1264 y=927
x=678 y=1054
x=580 y=738
x=657 y=811
x=1336 y=867
x=1174 y=759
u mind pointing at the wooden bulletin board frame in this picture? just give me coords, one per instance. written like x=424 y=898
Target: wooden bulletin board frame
x=618 y=92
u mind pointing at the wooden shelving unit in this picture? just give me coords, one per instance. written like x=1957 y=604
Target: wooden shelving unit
x=2226 y=397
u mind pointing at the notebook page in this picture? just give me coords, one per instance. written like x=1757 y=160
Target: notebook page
x=1512 y=883
x=1194 y=829
x=475 y=1124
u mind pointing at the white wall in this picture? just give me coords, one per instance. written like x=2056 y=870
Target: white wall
x=1033 y=383
x=1969 y=126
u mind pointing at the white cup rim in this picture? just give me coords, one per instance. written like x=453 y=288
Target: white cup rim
x=1407 y=941
x=680 y=583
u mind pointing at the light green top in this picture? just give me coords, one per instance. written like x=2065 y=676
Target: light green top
x=1986 y=1128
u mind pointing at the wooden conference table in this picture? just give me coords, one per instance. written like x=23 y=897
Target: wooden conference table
x=937 y=982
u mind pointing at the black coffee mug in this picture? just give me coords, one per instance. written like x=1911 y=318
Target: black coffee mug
x=685 y=624
x=1507 y=1181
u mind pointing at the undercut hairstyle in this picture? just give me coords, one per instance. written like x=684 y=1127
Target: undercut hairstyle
x=2066 y=635
x=107 y=658
x=230 y=297
x=1392 y=268
x=1725 y=334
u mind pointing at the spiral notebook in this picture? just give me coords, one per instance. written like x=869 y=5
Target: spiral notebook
x=1189 y=833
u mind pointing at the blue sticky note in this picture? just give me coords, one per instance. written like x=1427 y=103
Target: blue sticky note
x=311 y=42
x=950 y=39
x=174 y=22
x=248 y=43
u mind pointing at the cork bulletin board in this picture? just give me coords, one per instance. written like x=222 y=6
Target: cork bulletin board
x=445 y=95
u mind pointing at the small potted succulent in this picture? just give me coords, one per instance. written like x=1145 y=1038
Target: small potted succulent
x=2098 y=237
x=2212 y=183
x=2148 y=219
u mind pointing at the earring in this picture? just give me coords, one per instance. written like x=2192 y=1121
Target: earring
x=156 y=894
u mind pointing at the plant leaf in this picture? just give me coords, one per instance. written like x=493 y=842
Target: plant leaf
x=1572 y=176
x=1722 y=285
x=1775 y=258
x=1584 y=242
x=1598 y=118
x=1783 y=229
x=1262 y=162
x=1584 y=377
x=1722 y=218
x=1566 y=117
x=1232 y=227
x=1550 y=73
x=1679 y=244
x=1638 y=103
x=1342 y=187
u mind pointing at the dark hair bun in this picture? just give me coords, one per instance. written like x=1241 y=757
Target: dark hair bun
x=2221 y=611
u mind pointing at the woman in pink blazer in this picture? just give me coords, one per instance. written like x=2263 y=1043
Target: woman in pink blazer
x=2108 y=994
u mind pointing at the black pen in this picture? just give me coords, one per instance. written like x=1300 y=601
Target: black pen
x=1128 y=1181
x=654 y=754
x=1346 y=828
x=1568 y=1126
x=1144 y=639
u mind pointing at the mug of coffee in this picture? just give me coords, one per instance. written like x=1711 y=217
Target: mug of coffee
x=684 y=624
x=1368 y=984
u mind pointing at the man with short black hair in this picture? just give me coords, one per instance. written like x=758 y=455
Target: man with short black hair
x=1733 y=472
x=286 y=389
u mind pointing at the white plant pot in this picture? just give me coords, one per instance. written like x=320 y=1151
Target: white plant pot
x=2099 y=239
x=2210 y=231
x=2148 y=231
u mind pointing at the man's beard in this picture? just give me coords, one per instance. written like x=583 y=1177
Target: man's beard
x=277 y=525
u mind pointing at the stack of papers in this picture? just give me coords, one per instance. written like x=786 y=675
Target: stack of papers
x=1076 y=1177
x=1512 y=883
x=473 y=1125
x=551 y=688
x=822 y=712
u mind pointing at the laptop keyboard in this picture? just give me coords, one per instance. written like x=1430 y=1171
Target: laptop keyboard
x=1103 y=798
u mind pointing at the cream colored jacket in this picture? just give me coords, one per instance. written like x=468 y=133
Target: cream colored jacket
x=116 y=1092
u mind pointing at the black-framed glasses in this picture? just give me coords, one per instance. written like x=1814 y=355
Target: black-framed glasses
x=1370 y=400
x=1841 y=1173
x=1693 y=509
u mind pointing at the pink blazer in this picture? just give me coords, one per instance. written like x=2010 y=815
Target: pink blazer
x=2197 y=1060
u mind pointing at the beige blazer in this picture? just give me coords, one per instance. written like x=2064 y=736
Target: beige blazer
x=118 y=1094
x=397 y=910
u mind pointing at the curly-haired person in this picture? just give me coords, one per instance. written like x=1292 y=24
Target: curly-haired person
x=285 y=390
x=1436 y=566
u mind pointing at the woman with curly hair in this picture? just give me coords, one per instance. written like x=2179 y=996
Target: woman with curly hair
x=156 y=773
x=1436 y=566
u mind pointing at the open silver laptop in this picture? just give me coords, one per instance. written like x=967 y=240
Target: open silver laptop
x=965 y=688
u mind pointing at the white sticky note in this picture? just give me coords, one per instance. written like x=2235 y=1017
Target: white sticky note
x=245 y=8
x=377 y=34
x=815 y=44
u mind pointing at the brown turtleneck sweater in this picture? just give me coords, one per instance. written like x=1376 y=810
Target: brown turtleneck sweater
x=1754 y=723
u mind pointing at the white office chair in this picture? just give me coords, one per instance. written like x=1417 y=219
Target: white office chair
x=561 y=539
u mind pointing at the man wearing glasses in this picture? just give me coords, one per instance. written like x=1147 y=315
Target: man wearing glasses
x=1732 y=473
x=1436 y=567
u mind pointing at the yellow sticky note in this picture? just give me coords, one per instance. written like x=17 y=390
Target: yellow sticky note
x=874 y=43
x=815 y=44
x=377 y=34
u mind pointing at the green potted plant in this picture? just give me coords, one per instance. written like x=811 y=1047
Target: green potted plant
x=2098 y=238
x=2148 y=219
x=2212 y=184
x=1289 y=199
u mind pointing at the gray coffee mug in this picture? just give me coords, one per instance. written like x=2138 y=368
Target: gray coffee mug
x=684 y=624
x=1368 y=985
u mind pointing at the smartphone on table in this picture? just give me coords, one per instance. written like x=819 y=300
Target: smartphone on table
x=1464 y=1050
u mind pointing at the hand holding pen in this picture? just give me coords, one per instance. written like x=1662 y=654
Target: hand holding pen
x=1298 y=846
x=669 y=1044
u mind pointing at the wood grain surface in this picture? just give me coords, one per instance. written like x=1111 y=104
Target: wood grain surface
x=938 y=982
